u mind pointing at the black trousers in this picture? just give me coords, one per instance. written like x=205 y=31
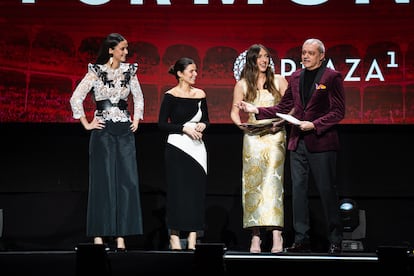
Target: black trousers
x=114 y=206
x=322 y=165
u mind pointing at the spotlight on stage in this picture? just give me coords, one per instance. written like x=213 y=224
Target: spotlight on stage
x=349 y=214
x=354 y=225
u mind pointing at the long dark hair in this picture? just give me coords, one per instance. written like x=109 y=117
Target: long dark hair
x=110 y=42
x=250 y=73
x=180 y=66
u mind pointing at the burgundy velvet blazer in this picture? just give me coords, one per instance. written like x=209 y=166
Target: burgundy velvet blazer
x=325 y=109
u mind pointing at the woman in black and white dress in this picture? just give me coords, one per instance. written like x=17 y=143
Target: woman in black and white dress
x=184 y=117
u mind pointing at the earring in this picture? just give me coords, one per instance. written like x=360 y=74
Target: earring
x=111 y=60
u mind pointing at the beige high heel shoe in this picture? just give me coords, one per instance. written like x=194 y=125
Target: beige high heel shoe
x=191 y=241
x=277 y=244
x=175 y=243
x=255 y=245
x=120 y=245
x=98 y=240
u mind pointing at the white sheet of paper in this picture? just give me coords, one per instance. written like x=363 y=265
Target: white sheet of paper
x=289 y=118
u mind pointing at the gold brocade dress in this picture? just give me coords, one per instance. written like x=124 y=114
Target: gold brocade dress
x=263 y=173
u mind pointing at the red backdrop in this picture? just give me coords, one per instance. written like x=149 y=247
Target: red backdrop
x=46 y=46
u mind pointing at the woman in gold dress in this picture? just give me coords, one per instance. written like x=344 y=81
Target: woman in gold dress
x=264 y=150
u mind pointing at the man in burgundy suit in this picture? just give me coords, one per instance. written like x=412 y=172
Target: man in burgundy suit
x=315 y=96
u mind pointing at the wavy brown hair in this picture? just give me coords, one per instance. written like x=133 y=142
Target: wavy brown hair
x=251 y=72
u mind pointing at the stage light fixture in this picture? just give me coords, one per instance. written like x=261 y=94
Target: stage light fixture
x=354 y=225
x=349 y=214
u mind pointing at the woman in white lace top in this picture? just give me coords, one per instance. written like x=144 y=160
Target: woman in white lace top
x=114 y=206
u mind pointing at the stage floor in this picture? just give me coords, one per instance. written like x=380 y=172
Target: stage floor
x=207 y=260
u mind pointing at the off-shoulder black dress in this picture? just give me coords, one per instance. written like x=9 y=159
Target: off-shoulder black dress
x=185 y=162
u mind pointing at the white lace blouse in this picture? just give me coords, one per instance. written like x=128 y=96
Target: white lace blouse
x=113 y=85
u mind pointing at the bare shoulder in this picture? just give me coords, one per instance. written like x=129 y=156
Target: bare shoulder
x=240 y=85
x=199 y=93
x=172 y=91
x=280 y=78
x=281 y=82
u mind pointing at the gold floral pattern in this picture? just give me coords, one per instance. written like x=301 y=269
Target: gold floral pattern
x=263 y=171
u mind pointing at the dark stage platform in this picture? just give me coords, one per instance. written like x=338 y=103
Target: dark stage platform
x=206 y=260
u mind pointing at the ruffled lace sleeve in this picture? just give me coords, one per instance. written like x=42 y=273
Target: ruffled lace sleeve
x=81 y=91
x=136 y=92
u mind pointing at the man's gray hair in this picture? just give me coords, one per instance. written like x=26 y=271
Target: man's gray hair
x=321 y=47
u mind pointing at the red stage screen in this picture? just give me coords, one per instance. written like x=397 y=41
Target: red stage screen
x=46 y=46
